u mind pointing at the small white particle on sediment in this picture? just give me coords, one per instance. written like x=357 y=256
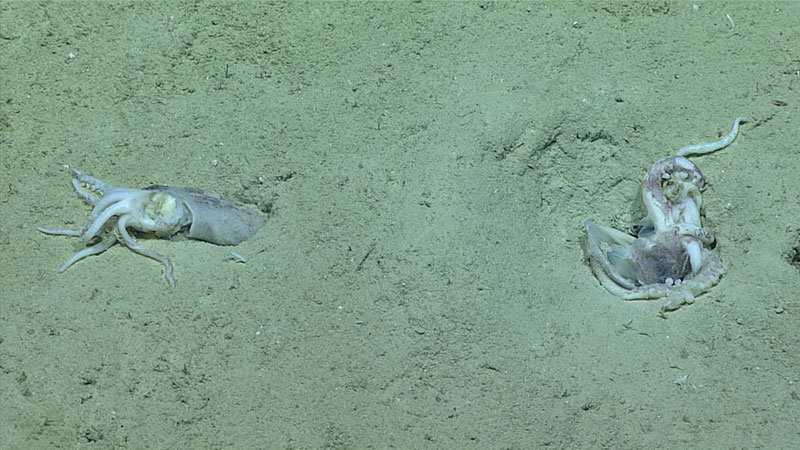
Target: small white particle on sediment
x=238 y=258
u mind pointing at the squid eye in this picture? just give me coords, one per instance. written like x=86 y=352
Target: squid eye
x=162 y=206
x=643 y=231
